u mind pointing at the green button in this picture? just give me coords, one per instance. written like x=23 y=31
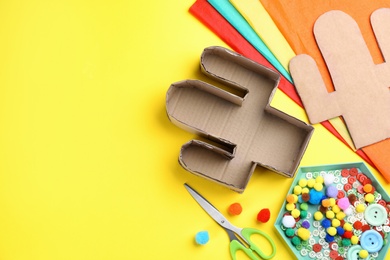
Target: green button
x=375 y=214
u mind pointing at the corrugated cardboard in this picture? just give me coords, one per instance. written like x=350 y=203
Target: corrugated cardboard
x=361 y=93
x=239 y=129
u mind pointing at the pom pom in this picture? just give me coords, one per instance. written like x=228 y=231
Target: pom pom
x=202 y=237
x=367 y=188
x=335 y=222
x=310 y=183
x=360 y=208
x=347 y=227
x=332 y=191
x=331 y=231
x=330 y=214
x=303 y=233
x=348 y=211
x=346 y=242
x=292 y=198
x=318 y=215
x=340 y=231
x=329 y=238
x=328 y=179
x=305 y=197
x=315 y=197
x=264 y=215
x=295 y=213
x=318 y=186
x=306 y=224
x=369 y=197
x=288 y=221
x=363 y=253
x=235 y=209
x=343 y=203
x=320 y=179
x=336 y=209
x=326 y=223
x=348 y=234
x=290 y=206
x=325 y=203
x=303 y=214
x=303 y=206
x=290 y=232
x=354 y=240
x=297 y=190
x=296 y=241
x=302 y=182
x=357 y=225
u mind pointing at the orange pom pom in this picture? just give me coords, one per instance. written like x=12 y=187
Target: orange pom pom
x=235 y=209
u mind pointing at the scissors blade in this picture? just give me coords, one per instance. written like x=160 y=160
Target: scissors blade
x=211 y=210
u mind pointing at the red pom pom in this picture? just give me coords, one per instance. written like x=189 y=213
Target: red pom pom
x=264 y=215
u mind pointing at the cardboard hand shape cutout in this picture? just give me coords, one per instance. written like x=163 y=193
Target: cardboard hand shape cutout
x=361 y=93
x=240 y=129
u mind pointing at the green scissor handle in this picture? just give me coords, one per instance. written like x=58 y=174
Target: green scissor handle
x=249 y=251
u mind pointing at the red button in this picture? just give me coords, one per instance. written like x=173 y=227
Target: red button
x=347 y=187
x=333 y=254
x=340 y=194
x=382 y=202
x=361 y=177
x=344 y=172
x=367 y=181
x=317 y=248
x=353 y=171
x=340 y=258
x=351 y=180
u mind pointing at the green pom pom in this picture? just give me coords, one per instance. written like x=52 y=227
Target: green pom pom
x=296 y=241
x=303 y=213
x=346 y=242
x=290 y=232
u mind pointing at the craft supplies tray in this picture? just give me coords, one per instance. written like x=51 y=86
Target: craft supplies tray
x=337 y=211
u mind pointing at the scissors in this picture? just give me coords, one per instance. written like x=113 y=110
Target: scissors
x=239 y=237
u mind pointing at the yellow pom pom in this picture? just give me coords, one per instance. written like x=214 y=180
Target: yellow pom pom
x=336 y=209
x=329 y=214
x=310 y=183
x=332 y=201
x=360 y=208
x=302 y=182
x=305 y=190
x=341 y=215
x=347 y=227
x=335 y=222
x=290 y=206
x=363 y=253
x=318 y=215
x=354 y=240
x=331 y=231
x=318 y=186
x=303 y=233
x=295 y=213
x=369 y=197
x=297 y=190
x=320 y=179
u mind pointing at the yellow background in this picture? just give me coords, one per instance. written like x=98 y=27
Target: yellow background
x=88 y=157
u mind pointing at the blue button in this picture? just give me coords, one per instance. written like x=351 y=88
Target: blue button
x=353 y=253
x=371 y=241
x=375 y=214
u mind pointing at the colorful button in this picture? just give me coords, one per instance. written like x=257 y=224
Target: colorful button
x=371 y=241
x=353 y=171
x=353 y=253
x=375 y=214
